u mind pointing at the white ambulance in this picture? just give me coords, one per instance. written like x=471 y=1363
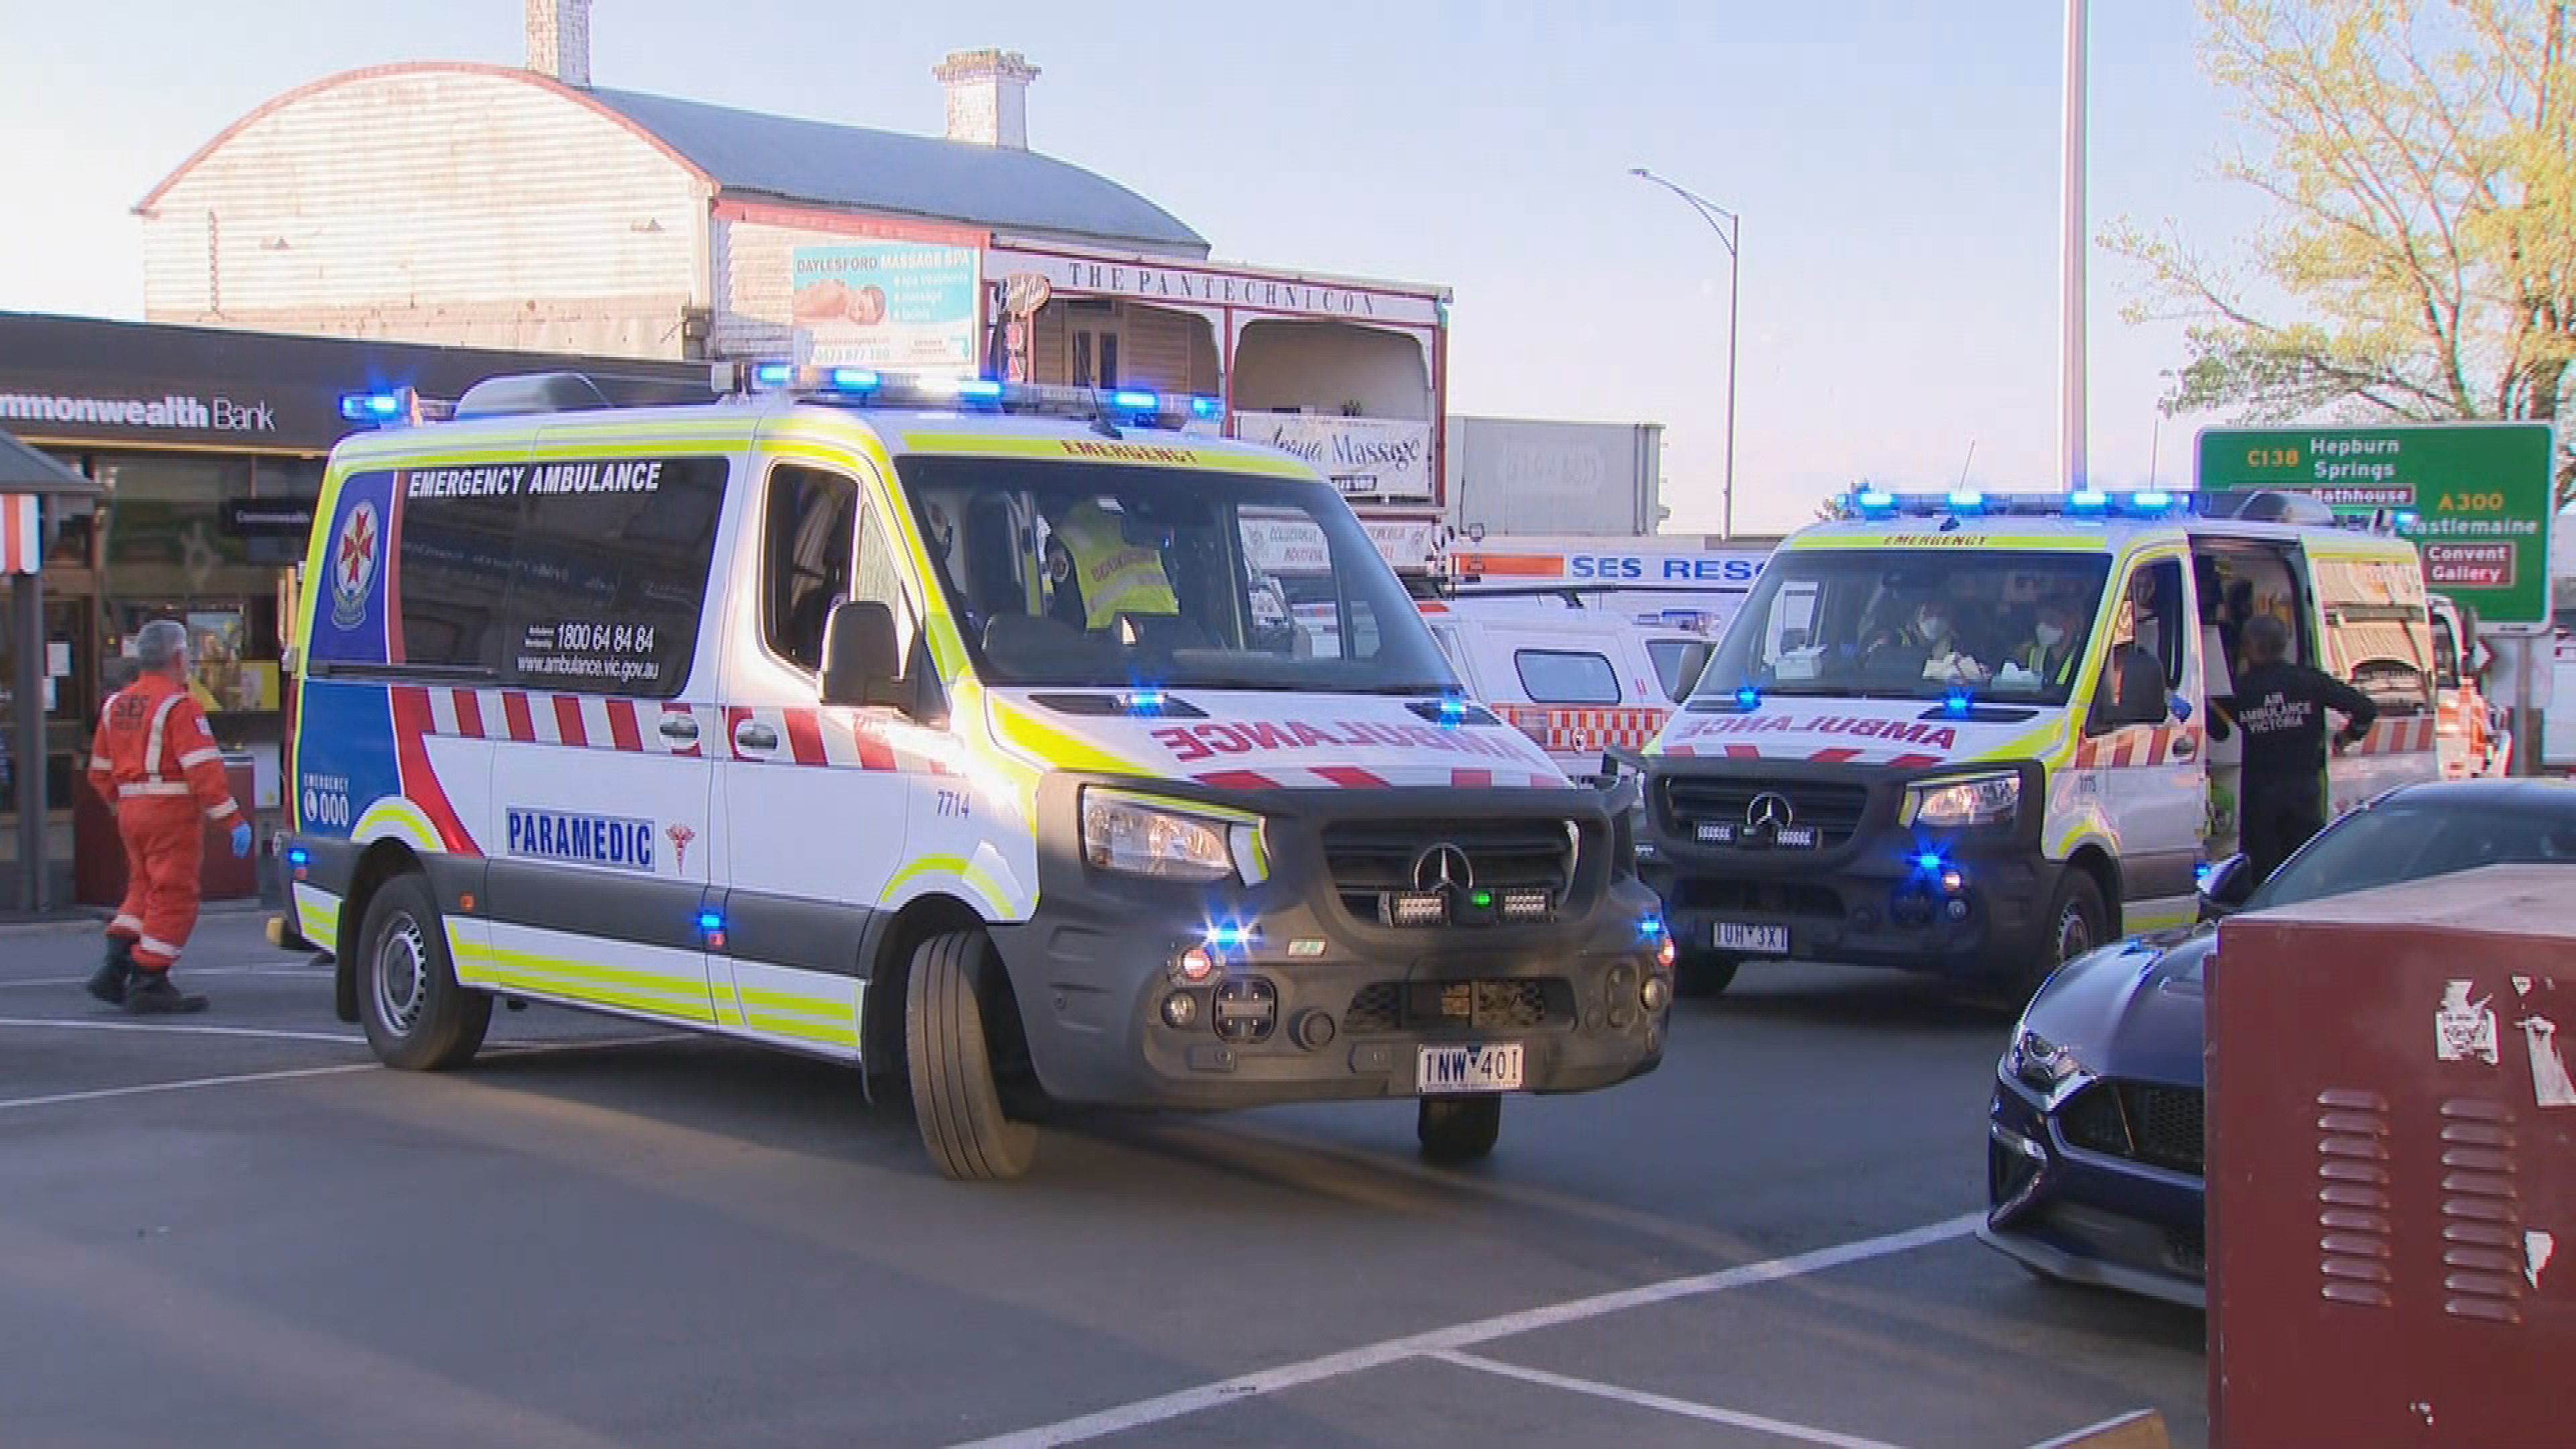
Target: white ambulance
x=1579 y=682
x=945 y=728
x=1969 y=734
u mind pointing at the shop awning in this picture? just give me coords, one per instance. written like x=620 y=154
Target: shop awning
x=25 y=470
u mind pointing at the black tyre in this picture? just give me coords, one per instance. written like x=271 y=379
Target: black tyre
x=2077 y=922
x=946 y=1048
x=1699 y=975
x=416 y=1015
x=1458 y=1129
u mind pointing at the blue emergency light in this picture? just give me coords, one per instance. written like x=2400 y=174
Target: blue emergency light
x=1135 y=400
x=373 y=407
x=1229 y=937
x=1879 y=504
x=854 y=379
x=1957 y=701
x=1747 y=697
x=1453 y=711
x=870 y=386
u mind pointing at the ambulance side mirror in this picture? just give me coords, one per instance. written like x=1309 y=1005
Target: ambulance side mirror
x=861 y=663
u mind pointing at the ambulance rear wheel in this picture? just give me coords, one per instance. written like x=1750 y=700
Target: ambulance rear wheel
x=1458 y=1129
x=416 y=1016
x=1703 y=974
x=954 y=983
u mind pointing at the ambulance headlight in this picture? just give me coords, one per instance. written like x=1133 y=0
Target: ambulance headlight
x=1963 y=800
x=1134 y=835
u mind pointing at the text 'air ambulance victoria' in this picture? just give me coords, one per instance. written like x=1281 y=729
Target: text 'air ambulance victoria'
x=1970 y=735
x=925 y=726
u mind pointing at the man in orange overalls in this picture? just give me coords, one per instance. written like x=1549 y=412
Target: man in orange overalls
x=156 y=765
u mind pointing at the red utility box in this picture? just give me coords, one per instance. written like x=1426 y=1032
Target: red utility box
x=2392 y=1166
x=98 y=854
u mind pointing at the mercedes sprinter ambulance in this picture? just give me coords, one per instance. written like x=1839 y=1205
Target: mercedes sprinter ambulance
x=1970 y=735
x=935 y=727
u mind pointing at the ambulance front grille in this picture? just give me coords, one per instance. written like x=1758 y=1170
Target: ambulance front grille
x=1834 y=810
x=1373 y=860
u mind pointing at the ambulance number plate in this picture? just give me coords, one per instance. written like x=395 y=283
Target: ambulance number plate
x=1494 y=1067
x=1740 y=936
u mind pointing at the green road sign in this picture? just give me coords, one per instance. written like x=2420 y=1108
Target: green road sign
x=2474 y=498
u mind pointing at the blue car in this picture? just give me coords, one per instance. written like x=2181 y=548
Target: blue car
x=2093 y=1152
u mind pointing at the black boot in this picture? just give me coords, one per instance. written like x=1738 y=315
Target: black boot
x=109 y=981
x=153 y=995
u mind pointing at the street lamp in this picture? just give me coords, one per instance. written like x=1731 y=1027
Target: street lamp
x=1709 y=211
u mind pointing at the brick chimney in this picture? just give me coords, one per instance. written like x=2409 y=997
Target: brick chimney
x=988 y=96
x=559 y=40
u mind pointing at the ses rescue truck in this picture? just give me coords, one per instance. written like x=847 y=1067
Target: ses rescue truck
x=1969 y=734
x=951 y=729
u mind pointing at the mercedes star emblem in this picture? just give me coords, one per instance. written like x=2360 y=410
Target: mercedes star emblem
x=1769 y=811
x=1443 y=867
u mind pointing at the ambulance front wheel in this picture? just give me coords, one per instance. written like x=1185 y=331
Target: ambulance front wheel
x=1458 y=1129
x=2077 y=922
x=953 y=986
x=416 y=1015
x=1703 y=974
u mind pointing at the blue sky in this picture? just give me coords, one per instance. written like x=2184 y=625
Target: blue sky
x=1896 y=166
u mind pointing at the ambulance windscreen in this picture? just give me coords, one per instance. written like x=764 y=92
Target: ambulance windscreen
x=1111 y=576
x=1898 y=623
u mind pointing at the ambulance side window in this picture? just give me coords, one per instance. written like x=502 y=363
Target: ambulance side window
x=607 y=583
x=805 y=560
x=1566 y=676
x=880 y=577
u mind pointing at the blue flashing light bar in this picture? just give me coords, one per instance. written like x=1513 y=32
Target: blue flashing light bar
x=1144 y=701
x=371 y=407
x=1878 y=504
x=869 y=386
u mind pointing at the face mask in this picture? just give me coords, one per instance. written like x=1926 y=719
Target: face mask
x=2050 y=636
x=1932 y=626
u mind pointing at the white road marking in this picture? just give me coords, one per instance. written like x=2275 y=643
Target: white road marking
x=188 y=974
x=1708 y=1413
x=527 y=1049
x=104 y=1094
x=184 y=1029
x=1166 y=1407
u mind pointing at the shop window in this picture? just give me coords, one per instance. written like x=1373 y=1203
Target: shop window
x=805 y=567
x=1566 y=676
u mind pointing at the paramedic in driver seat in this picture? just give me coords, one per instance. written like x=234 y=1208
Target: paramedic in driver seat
x=2281 y=707
x=2050 y=655
x=156 y=765
x=1097 y=574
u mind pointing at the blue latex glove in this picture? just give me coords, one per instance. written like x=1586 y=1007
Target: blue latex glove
x=241 y=840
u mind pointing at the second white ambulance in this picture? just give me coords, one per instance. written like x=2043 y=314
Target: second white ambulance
x=1969 y=734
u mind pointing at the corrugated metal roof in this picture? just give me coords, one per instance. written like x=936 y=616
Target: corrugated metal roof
x=885 y=171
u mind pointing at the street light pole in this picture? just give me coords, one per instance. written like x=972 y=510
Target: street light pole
x=1709 y=211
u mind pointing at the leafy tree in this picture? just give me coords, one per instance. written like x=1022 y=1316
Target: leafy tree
x=2422 y=158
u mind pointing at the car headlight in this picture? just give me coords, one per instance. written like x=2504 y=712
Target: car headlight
x=1135 y=835
x=1963 y=800
x=2049 y=1068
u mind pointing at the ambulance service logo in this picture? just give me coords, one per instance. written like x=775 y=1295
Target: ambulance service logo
x=355 y=557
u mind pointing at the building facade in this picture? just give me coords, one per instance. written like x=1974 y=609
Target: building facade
x=484 y=206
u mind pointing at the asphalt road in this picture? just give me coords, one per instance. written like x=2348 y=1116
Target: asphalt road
x=235 y=1230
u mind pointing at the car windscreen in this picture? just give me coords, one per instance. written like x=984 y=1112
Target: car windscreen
x=1896 y=623
x=2405 y=840
x=1102 y=575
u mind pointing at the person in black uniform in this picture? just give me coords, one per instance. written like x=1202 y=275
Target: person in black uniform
x=2281 y=707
